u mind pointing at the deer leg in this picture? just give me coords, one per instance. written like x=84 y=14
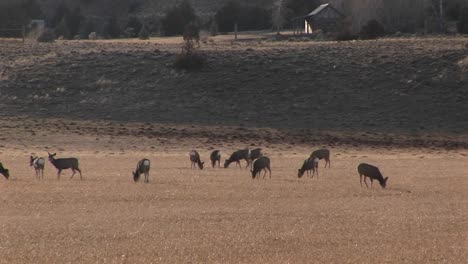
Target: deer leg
x=81 y=177
x=269 y=171
x=371 y=182
x=264 y=173
x=365 y=181
x=58 y=174
x=73 y=174
x=360 y=179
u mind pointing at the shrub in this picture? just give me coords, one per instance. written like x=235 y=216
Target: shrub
x=190 y=58
x=47 y=35
x=144 y=33
x=372 y=30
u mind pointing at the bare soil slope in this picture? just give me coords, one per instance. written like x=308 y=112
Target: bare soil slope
x=391 y=85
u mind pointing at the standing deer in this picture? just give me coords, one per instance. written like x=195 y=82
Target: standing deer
x=215 y=157
x=38 y=163
x=260 y=164
x=143 y=166
x=373 y=173
x=5 y=172
x=322 y=154
x=308 y=165
x=195 y=160
x=64 y=164
x=237 y=156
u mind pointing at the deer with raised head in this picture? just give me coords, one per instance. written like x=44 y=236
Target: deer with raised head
x=255 y=154
x=308 y=166
x=371 y=172
x=143 y=167
x=237 y=156
x=64 y=164
x=4 y=171
x=38 y=163
x=195 y=160
x=215 y=157
x=262 y=163
x=322 y=154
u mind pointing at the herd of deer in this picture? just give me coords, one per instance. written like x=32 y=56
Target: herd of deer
x=255 y=157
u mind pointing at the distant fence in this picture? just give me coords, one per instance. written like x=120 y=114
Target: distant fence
x=13 y=33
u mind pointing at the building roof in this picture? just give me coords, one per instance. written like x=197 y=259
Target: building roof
x=318 y=10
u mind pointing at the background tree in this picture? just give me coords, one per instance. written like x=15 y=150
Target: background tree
x=177 y=18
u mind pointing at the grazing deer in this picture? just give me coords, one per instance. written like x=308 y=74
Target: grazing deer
x=262 y=163
x=255 y=154
x=322 y=154
x=308 y=165
x=5 y=172
x=38 y=163
x=237 y=156
x=215 y=157
x=64 y=164
x=143 y=166
x=195 y=160
x=373 y=173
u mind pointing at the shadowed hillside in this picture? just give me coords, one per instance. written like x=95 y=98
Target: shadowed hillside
x=386 y=86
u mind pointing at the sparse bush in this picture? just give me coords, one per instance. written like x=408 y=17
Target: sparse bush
x=47 y=35
x=190 y=58
x=144 y=33
x=372 y=30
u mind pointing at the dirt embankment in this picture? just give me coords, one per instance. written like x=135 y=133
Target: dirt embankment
x=369 y=91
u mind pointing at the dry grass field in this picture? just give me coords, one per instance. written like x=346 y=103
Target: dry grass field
x=222 y=215
x=399 y=104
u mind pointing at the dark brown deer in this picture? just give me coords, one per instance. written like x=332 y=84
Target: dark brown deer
x=5 y=172
x=322 y=154
x=215 y=157
x=255 y=154
x=143 y=167
x=237 y=156
x=262 y=163
x=373 y=173
x=64 y=164
x=38 y=163
x=308 y=166
x=195 y=160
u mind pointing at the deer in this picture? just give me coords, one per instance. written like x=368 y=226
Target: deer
x=64 y=164
x=237 y=156
x=195 y=160
x=322 y=154
x=373 y=173
x=307 y=166
x=262 y=163
x=215 y=157
x=143 y=167
x=4 y=171
x=255 y=154
x=38 y=163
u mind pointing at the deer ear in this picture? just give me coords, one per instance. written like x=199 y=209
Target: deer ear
x=385 y=179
